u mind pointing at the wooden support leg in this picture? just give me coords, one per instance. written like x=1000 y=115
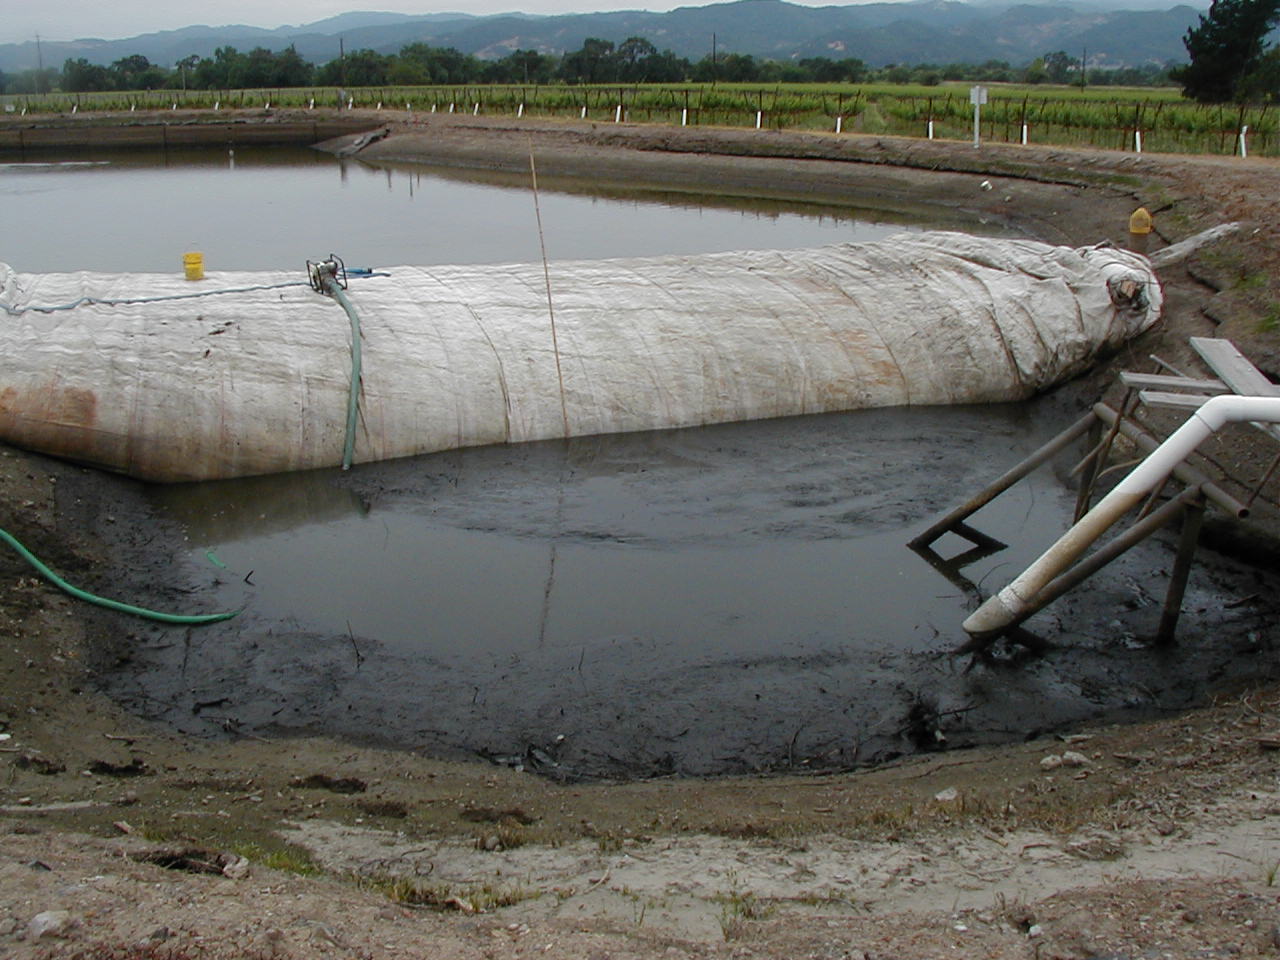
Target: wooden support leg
x=1089 y=470
x=1004 y=482
x=1191 y=523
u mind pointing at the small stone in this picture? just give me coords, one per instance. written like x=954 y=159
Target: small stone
x=1035 y=930
x=1051 y=762
x=50 y=923
x=236 y=868
x=946 y=796
x=1072 y=758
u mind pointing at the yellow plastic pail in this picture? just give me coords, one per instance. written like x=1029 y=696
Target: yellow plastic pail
x=193 y=264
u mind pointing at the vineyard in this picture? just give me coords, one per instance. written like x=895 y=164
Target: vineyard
x=1153 y=119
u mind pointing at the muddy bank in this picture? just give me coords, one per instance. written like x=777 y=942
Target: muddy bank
x=21 y=137
x=587 y=610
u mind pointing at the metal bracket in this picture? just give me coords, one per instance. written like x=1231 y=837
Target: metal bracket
x=333 y=268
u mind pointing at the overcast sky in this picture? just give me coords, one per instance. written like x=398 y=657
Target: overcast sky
x=74 y=19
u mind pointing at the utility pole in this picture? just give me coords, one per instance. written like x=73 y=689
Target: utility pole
x=713 y=59
x=1084 y=59
x=39 y=66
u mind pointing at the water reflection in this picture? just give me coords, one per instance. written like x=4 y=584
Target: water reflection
x=257 y=208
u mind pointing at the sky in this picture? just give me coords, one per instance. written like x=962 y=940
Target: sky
x=21 y=20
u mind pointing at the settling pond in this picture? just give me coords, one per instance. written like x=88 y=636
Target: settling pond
x=702 y=601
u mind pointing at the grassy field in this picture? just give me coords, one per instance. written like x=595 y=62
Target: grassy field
x=1107 y=117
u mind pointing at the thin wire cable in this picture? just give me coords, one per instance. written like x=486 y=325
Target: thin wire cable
x=123 y=301
x=546 y=274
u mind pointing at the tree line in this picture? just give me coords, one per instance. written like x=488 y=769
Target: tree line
x=634 y=60
x=1230 y=60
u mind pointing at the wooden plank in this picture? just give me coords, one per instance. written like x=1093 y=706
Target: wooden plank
x=1238 y=373
x=1161 y=381
x=1155 y=398
x=1234 y=368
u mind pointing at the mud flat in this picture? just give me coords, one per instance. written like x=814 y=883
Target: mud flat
x=1155 y=836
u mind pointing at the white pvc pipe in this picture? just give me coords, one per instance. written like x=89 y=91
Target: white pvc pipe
x=1024 y=134
x=1244 y=149
x=930 y=129
x=1137 y=141
x=1015 y=601
x=839 y=123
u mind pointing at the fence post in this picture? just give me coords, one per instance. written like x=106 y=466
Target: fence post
x=759 y=118
x=1244 y=149
x=930 y=126
x=617 y=114
x=1024 y=134
x=839 y=123
x=1137 y=141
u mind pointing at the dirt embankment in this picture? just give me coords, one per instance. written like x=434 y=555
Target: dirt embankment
x=1155 y=839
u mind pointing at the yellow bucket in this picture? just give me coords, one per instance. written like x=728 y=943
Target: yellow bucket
x=193 y=264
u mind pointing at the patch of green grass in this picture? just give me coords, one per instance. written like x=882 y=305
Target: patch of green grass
x=286 y=858
x=1270 y=322
x=739 y=909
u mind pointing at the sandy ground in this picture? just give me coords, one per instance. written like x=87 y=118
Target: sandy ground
x=1162 y=839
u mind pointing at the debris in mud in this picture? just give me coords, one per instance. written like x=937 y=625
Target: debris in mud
x=134 y=768
x=534 y=758
x=322 y=781
x=384 y=808
x=491 y=815
x=196 y=860
x=38 y=763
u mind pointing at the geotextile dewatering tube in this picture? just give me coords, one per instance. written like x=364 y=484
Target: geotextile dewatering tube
x=79 y=594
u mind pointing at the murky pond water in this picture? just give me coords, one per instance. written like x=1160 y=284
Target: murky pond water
x=274 y=209
x=727 y=598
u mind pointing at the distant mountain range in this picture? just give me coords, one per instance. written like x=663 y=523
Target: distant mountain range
x=923 y=31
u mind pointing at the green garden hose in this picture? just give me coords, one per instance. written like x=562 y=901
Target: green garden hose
x=328 y=283
x=79 y=594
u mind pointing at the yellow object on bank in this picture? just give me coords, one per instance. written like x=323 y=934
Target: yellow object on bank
x=1140 y=221
x=193 y=264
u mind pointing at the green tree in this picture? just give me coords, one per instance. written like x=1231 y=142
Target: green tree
x=216 y=73
x=136 y=72
x=291 y=70
x=1058 y=65
x=595 y=62
x=80 y=76
x=360 y=68
x=1226 y=49
x=186 y=67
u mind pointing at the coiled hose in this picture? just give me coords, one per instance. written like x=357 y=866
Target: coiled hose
x=57 y=581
